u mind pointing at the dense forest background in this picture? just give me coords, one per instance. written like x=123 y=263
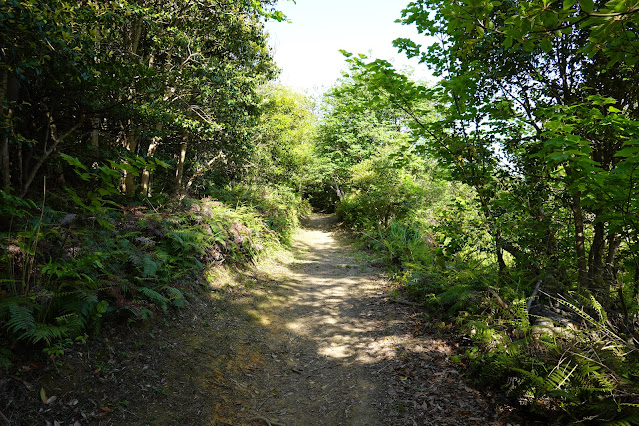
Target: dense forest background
x=144 y=142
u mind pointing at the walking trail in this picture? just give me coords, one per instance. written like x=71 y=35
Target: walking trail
x=310 y=339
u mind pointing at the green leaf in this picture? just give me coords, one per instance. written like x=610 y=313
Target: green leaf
x=568 y=4
x=587 y=5
x=627 y=152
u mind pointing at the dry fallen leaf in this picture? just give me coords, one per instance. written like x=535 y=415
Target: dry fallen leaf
x=106 y=409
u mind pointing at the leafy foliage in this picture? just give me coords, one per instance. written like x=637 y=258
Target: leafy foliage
x=536 y=116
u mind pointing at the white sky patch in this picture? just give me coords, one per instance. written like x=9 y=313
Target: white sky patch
x=307 y=49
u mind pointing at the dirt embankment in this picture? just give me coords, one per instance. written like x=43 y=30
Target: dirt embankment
x=309 y=339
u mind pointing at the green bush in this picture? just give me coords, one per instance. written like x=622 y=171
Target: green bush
x=278 y=206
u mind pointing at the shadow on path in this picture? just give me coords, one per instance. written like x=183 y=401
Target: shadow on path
x=311 y=340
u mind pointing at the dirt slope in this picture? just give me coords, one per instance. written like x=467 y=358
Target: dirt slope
x=310 y=340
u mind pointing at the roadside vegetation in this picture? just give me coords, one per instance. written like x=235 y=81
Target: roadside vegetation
x=128 y=166
x=143 y=144
x=505 y=196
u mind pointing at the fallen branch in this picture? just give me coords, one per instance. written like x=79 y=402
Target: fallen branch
x=499 y=300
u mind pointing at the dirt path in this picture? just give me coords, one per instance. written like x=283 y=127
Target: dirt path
x=309 y=340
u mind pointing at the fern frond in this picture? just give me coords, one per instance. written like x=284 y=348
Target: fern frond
x=20 y=319
x=154 y=296
x=522 y=319
x=601 y=312
x=628 y=421
x=149 y=266
x=175 y=295
x=88 y=304
x=46 y=332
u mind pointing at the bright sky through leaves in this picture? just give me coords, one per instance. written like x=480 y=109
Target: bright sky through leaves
x=307 y=49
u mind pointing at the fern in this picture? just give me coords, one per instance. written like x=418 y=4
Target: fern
x=21 y=319
x=522 y=319
x=149 y=266
x=628 y=421
x=47 y=333
x=175 y=296
x=603 y=316
x=154 y=296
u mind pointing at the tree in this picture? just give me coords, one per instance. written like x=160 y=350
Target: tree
x=352 y=131
x=176 y=80
x=285 y=140
x=540 y=117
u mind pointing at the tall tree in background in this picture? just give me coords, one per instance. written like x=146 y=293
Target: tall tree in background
x=285 y=141
x=352 y=130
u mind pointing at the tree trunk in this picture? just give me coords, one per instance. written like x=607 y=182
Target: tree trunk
x=499 y=252
x=5 y=117
x=5 y=162
x=595 y=257
x=179 y=173
x=338 y=190
x=580 y=240
x=137 y=33
x=613 y=245
x=145 y=182
x=45 y=155
x=131 y=144
x=95 y=133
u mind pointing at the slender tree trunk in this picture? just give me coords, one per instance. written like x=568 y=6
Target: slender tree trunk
x=95 y=133
x=145 y=181
x=595 y=257
x=5 y=117
x=131 y=145
x=179 y=173
x=580 y=240
x=338 y=190
x=499 y=251
x=5 y=162
x=45 y=155
x=613 y=245
x=21 y=171
x=137 y=33
x=132 y=40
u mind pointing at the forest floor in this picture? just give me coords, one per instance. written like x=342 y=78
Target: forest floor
x=311 y=337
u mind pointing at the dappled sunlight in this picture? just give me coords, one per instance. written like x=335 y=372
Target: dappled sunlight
x=308 y=342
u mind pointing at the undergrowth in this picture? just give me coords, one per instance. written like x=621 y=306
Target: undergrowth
x=578 y=366
x=63 y=272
